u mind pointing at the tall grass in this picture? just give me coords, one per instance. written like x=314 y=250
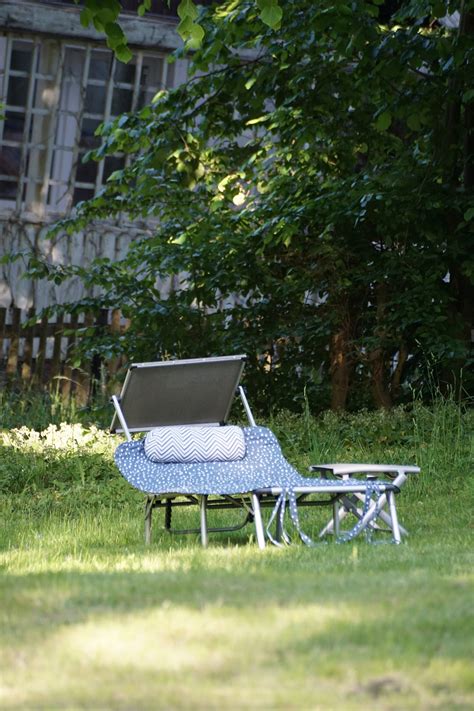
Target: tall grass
x=38 y=409
x=49 y=446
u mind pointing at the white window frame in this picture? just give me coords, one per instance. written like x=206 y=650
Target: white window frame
x=48 y=128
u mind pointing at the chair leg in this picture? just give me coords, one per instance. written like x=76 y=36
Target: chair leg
x=397 y=537
x=203 y=520
x=257 y=514
x=397 y=529
x=278 y=526
x=335 y=517
x=329 y=527
x=148 y=515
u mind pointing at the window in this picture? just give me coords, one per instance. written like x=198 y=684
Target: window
x=55 y=94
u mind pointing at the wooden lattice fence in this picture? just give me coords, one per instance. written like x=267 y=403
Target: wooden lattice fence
x=37 y=352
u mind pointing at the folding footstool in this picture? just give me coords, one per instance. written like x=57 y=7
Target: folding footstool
x=351 y=503
x=190 y=456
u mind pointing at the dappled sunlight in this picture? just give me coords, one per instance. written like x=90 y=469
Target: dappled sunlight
x=169 y=643
x=259 y=655
x=171 y=637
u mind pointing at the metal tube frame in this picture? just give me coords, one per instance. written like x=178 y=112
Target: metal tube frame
x=339 y=498
x=389 y=518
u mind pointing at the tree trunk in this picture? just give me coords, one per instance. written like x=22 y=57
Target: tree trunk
x=460 y=125
x=379 y=364
x=341 y=368
x=379 y=380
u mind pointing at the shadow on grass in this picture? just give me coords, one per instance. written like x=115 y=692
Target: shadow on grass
x=294 y=621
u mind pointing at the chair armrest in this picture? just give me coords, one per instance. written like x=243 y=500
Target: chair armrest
x=346 y=469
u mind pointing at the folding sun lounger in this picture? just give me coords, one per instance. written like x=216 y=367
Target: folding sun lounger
x=191 y=456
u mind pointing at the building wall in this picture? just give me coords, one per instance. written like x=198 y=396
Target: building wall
x=58 y=82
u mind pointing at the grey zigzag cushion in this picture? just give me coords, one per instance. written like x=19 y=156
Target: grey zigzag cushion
x=195 y=444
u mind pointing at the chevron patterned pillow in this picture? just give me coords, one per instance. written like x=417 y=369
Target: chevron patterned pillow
x=195 y=444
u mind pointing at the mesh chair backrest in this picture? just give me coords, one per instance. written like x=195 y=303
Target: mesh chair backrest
x=179 y=392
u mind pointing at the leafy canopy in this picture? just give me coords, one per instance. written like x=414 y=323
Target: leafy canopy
x=309 y=201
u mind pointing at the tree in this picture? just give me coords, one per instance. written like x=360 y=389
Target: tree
x=324 y=175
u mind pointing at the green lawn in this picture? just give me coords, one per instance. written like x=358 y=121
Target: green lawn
x=93 y=619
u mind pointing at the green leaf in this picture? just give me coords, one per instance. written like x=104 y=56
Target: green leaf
x=159 y=95
x=187 y=8
x=270 y=13
x=86 y=17
x=383 y=121
x=123 y=53
x=106 y=15
x=195 y=37
x=439 y=9
x=114 y=32
x=99 y=26
x=413 y=122
x=116 y=175
x=190 y=32
x=469 y=214
x=260 y=119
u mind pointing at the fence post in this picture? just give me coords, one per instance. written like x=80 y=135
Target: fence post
x=12 y=361
x=66 y=381
x=83 y=376
x=3 y=315
x=26 y=368
x=41 y=355
x=56 y=359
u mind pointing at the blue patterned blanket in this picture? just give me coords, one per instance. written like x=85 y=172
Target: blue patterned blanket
x=262 y=467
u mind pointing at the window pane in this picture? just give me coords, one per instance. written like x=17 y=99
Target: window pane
x=95 y=100
x=17 y=91
x=73 y=66
x=14 y=124
x=100 y=65
x=125 y=73
x=10 y=160
x=113 y=163
x=86 y=172
x=170 y=76
x=145 y=97
x=152 y=72
x=21 y=58
x=121 y=101
x=82 y=194
x=8 y=190
x=88 y=139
